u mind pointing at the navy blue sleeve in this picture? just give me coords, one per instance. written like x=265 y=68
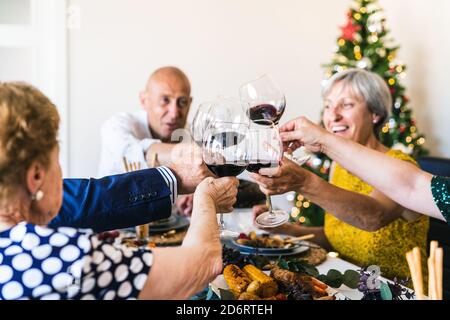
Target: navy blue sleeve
x=114 y=202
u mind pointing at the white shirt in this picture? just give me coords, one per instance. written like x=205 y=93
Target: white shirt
x=124 y=135
x=127 y=135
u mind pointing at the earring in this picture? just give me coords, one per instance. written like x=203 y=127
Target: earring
x=38 y=196
x=375 y=120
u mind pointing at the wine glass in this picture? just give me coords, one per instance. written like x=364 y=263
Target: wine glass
x=266 y=104
x=264 y=100
x=225 y=151
x=266 y=151
x=221 y=108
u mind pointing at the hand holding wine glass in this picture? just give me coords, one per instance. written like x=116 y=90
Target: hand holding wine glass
x=225 y=151
x=265 y=153
x=266 y=104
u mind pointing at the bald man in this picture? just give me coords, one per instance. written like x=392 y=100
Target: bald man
x=136 y=136
x=144 y=136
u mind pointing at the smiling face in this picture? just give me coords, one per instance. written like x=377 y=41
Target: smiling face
x=166 y=101
x=346 y=114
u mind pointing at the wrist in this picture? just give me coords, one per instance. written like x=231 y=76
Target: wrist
x=309 y=183
x=203 y=199
x=326 y=142
x=163 y=152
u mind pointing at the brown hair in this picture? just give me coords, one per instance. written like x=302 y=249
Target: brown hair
x=29 y=125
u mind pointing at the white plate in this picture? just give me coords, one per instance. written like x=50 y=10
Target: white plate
x=220 y=283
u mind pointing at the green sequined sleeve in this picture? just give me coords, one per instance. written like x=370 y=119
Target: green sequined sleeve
x=440 y=187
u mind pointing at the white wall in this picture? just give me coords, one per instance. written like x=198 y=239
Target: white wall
x=222 y=43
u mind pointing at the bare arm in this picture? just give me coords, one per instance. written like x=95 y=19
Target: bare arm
x=366 y=212
x=401 y=181
x=178 y=273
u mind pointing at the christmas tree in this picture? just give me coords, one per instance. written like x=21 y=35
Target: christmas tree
x=364 y=43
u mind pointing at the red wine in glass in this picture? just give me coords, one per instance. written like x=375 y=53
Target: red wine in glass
x=266 y=113
x=227 y=169
x=255 y=165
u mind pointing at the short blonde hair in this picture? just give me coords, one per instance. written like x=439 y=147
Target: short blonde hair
x=29 y=124
x=369 y=86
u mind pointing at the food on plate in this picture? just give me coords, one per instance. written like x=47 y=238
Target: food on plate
x=249 y=283
x=133 y=242
x=248 y=296
x=264 y=241
x=233 y=256
x=108 y=235
x=254 y=287
x=236 y=279
x=268 y=287
x=300 y=286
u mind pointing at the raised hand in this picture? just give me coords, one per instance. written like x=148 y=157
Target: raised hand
x=221 y=191
x=302 y=132
x=289 y=176
x=187 y=165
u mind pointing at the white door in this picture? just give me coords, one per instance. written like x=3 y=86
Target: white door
x=33 y=48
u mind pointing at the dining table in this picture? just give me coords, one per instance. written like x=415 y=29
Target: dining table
x=241 y=221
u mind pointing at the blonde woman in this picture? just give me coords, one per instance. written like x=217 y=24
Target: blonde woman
x=361 y=223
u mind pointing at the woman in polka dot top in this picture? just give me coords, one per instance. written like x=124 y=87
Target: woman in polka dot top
x=37 y=262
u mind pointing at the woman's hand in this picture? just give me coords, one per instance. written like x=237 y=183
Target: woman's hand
x=221 y=191
x=289 y=176
x=287 y=228
x=302 y=132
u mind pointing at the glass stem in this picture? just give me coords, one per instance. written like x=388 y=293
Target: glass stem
x=269 y=204
x=222 y=223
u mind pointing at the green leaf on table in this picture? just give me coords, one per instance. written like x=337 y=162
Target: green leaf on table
x=322 y=277
x=334 y=278
x=385 y=291
x=311 y=270
x=283 y=264
x=226 y=294
x=298 y=265
x=351 y=279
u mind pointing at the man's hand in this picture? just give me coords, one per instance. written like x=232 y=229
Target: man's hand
x=184 y=204
x=187 y=165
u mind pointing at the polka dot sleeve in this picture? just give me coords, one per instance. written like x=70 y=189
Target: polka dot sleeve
x=113 y=273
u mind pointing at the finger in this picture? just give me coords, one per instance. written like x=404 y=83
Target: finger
x=261 y=180
x=290 y=136
x=288 y=126
x=257 y=210
x=270 y=172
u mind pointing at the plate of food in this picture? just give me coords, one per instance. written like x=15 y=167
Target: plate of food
x=268 y=244
x=251 y=283
x=178 y=223
x=170 y=238
x=164 y=222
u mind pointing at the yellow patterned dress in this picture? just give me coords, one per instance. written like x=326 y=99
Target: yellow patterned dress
x=385 y=247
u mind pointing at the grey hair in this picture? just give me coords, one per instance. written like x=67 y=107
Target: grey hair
x=369 y=86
